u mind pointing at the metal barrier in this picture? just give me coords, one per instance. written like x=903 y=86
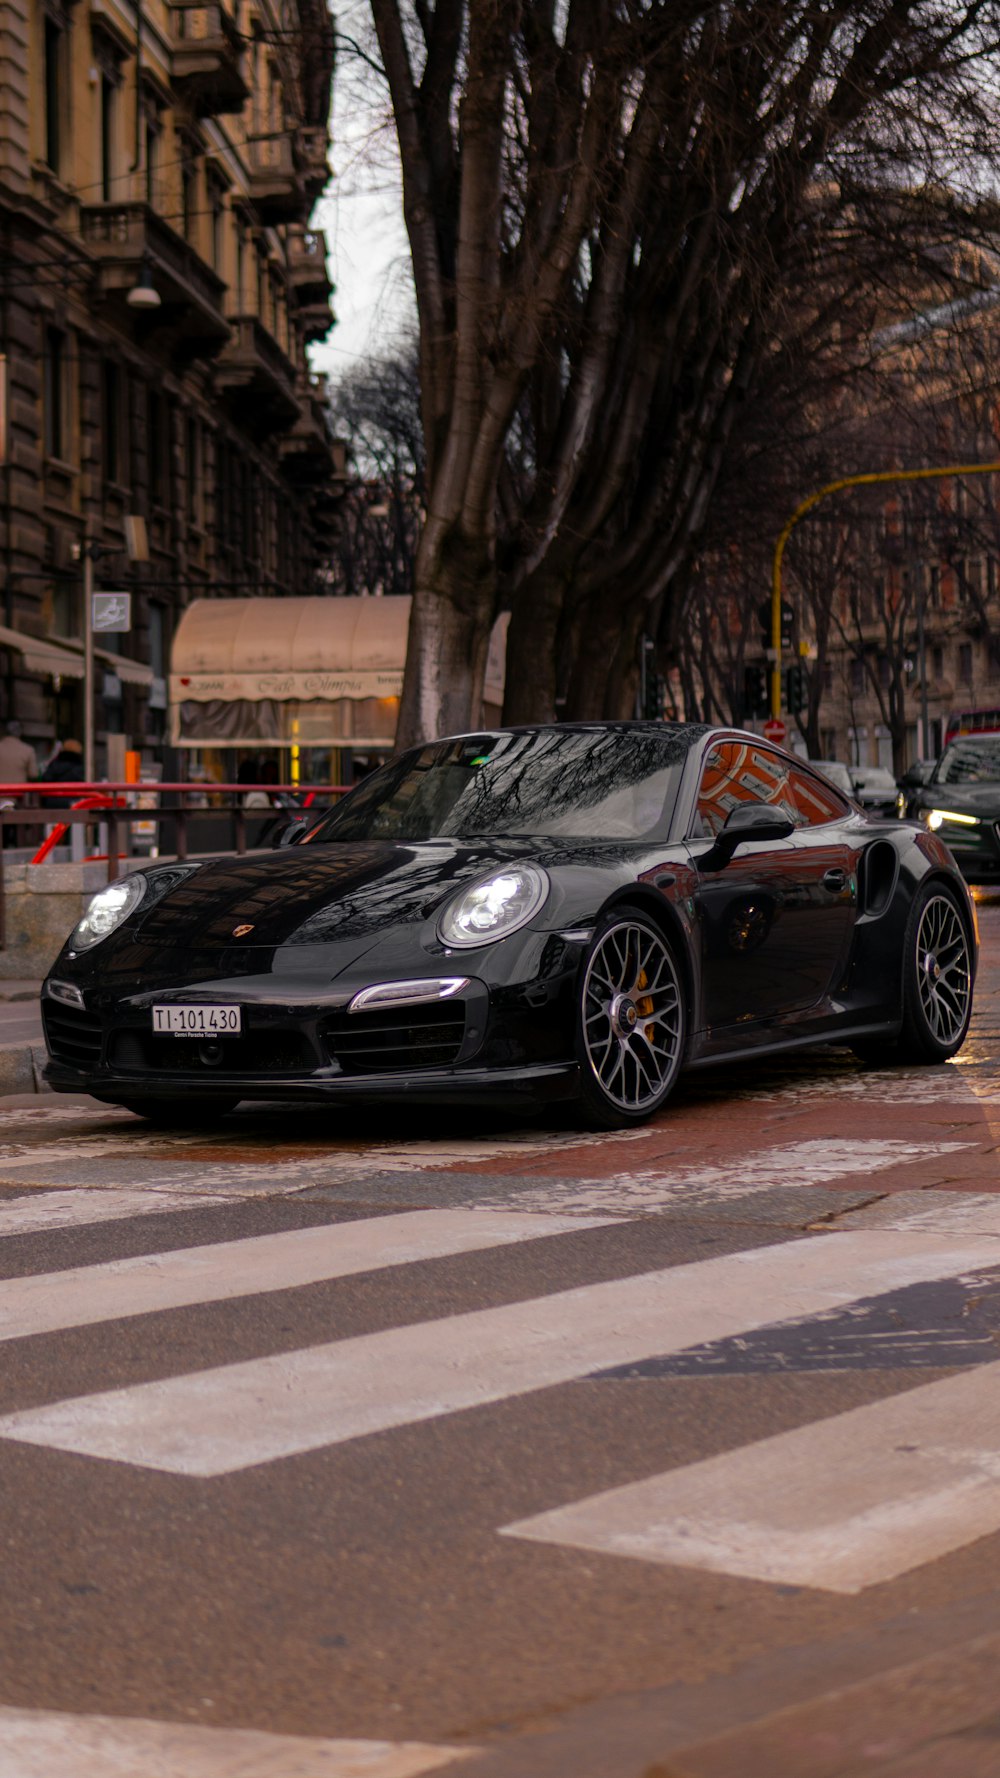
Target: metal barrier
x=105 y=805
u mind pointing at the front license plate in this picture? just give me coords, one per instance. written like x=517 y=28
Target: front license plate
x=198 y=1021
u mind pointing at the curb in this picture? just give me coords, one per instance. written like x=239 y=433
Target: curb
x=21 y=1067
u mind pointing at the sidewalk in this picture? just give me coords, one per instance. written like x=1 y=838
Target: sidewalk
x=22 y=1047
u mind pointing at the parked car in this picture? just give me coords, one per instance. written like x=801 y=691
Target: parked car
x=875 y=788
x=577 y=911
x=960 y=802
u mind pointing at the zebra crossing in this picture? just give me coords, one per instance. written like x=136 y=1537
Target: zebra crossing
x=234 y=1416
x=839 y=1504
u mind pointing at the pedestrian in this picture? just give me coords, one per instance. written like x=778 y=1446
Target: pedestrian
x=18 y=765
x=65 y=767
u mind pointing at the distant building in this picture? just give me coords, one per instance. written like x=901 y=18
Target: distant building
x=159 y=283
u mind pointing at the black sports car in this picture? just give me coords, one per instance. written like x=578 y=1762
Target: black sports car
x=576 y=911
x=960 y=800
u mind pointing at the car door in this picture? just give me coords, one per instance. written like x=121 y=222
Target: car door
x=777 y=918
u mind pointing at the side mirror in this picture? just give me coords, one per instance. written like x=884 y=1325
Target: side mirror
x=748 y=821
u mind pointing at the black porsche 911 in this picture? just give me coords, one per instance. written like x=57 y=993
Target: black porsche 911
x=577 y=911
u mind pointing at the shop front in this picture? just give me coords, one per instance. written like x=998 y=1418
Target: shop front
x=310 y=686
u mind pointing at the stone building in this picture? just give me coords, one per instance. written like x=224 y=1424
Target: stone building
x=159 y=284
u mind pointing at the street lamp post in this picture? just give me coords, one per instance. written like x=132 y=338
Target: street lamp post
x=869 y=478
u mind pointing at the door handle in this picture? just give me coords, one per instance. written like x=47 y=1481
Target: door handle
x=835 y=880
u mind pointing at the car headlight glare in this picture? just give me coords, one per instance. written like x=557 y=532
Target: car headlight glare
x=106 y=912
x=493 y=907
x=936 y=818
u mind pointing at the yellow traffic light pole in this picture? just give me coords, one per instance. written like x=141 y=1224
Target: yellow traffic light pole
x=806 y=506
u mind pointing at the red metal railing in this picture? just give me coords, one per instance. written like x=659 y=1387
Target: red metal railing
x=117 y=806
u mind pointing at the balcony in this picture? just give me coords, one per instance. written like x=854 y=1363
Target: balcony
x=307 y=273
x=207 y=63
x=315 y=320
x=259 y=381
x=313 y=148
x=309 y=454
x=276 y=185
x=126 y=239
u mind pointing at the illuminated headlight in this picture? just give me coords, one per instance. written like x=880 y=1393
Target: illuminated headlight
x=935 y=818
x=106 y=912
x=493 y=907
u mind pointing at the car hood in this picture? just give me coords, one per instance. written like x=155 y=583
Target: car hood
x=965 y=799
x=313 y=913
x=307 y=895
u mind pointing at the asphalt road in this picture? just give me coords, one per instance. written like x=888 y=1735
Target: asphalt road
x=395 y=1446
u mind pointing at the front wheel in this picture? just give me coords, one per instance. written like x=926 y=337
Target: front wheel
x=179 y=1114
x=937 y=977
x=631 y=1031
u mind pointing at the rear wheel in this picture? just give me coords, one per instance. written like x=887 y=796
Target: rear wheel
x=631 y=1021
x=937 y=977
x=179 y=1114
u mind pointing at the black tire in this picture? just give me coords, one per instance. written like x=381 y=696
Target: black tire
x=179 y=1114
x=937 y=977
x=631 y=1021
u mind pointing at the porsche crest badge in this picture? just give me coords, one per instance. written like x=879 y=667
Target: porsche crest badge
x=241 y=931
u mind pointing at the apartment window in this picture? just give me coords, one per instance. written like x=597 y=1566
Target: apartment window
x=193 y=468
x=55 y=81
x=937 y=662
x=109 y=132
x=965 y=662
x=857 y=675
x=112 y=421
x=827 y=679
x=152 y=161
x=218 y=246
x=934 y=586
x=991 y=575
x=884 y=671
x=240 y=268
x=188 y=204
x=54 y=392
x=157 y=641
x=156 y=453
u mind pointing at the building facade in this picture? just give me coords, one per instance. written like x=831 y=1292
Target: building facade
x=159 y=285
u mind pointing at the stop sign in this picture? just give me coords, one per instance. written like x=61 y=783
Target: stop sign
x=775 y=730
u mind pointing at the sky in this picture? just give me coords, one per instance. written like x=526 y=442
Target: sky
x=361 y=212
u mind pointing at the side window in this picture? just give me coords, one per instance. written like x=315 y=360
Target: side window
x=739 y=772
x=815 y=802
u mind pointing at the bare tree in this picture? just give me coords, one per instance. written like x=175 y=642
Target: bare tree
x=376 y=406
x=607 y=202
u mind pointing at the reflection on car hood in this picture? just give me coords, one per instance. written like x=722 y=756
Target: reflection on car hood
x=309 y=894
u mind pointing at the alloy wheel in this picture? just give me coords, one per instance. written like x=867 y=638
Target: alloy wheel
x=944 y=977
x=633 y=1016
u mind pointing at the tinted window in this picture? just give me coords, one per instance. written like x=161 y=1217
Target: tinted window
x=561 y=783
x=970 y=761
x=739 y=772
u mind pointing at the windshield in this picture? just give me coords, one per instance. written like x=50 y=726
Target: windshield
x=970 y=761
x=558 y=783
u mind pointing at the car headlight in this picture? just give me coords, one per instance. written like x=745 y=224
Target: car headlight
x=936 y=818
x=493 y=907
x=106 y=912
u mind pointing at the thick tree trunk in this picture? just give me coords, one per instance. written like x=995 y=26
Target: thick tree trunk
x=530 y=684
x=450 y=622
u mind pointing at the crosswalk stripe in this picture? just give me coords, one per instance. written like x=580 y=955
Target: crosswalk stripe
x=39 y=1211
x=840 y=1504
x=216 y=1421
x=54 y=1301
x=42 y=1743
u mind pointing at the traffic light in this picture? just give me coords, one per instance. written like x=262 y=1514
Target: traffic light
x=755 y=701
x=796 y=688
x=654 y=691
x=764 y=618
